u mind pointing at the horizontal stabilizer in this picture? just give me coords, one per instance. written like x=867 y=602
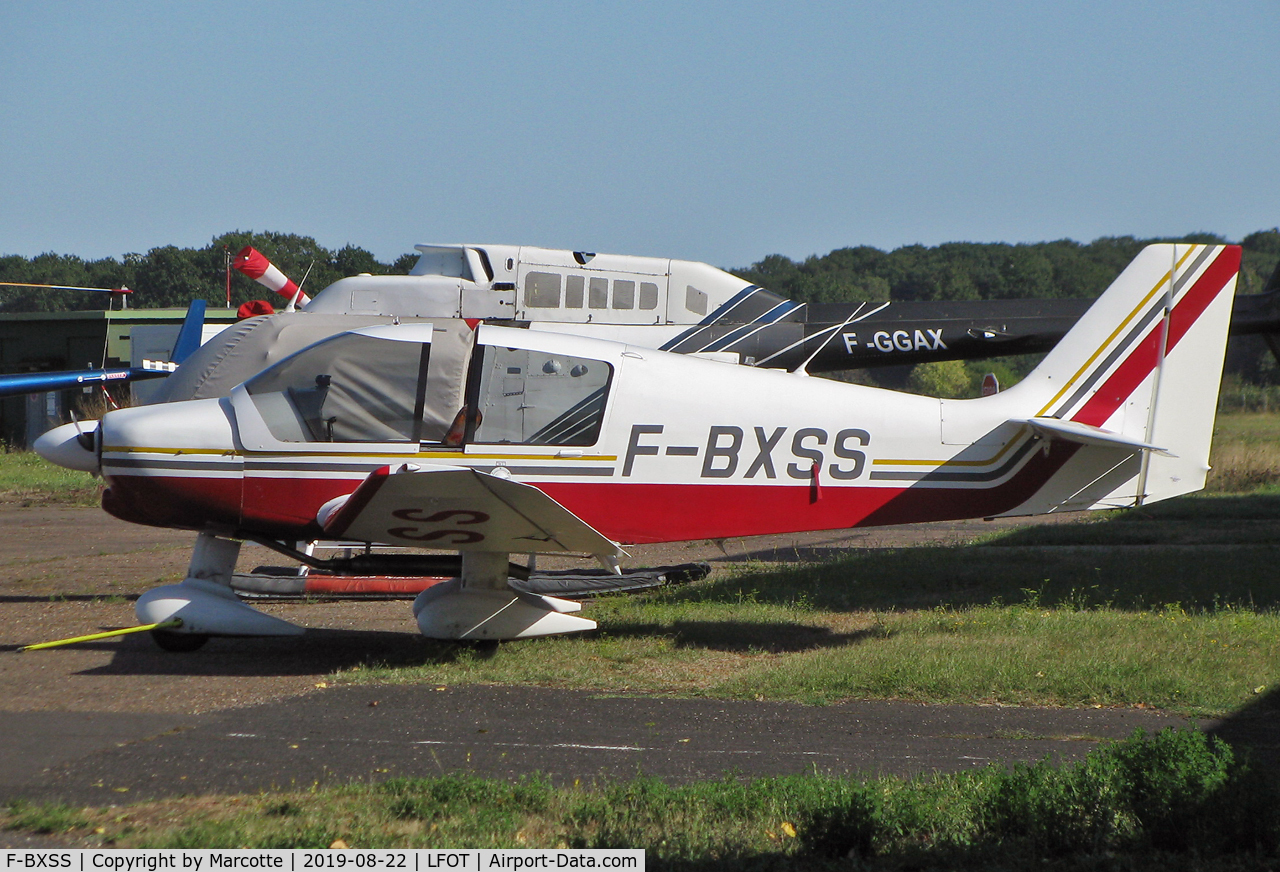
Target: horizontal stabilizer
x=1087 y=434
x=459 y=509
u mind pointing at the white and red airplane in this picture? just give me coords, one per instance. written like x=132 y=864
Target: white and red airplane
x=492 y=441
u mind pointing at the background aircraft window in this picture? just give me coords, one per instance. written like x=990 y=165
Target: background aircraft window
x=350 y=389
x=484 y=263
x=624 y=294
x=542 y=290
x=573 y=286
x=536 y=398
x=648 y=295
x=599 y=298
x=445 y=260
x=695 y=300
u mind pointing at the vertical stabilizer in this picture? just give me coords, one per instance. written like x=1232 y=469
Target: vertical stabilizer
x=190 y=333
x=1141 y=367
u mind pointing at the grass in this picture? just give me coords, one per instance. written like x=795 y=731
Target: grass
x=1176 y=800
x=1246 y=452
x=1196 y=663
x=1167 y=659
x=28 y=480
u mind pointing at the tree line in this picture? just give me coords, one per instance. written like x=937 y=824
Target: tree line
x=999 y=271
x=984 y=271
x=172 y=276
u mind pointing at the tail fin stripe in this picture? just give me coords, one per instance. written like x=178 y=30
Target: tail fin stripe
x=1143 y=358
x=1193 y=304
x=1190 y=273
x=1085 y=368
x=1125 y=347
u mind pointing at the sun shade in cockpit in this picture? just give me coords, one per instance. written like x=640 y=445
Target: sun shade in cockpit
x=361 y=388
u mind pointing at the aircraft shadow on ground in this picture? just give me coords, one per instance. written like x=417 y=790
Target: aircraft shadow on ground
x=316 y=652
x=1198 y=553
x=1253 y=731
x=775 y=638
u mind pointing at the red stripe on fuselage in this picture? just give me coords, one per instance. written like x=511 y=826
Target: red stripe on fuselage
x=634 y=513
x=644 y=513
x=272 y=504
x=174 y=501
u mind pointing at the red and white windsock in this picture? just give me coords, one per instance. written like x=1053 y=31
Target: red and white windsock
x=255 y=265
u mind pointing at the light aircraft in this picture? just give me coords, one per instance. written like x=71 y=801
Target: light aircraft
x=494 y=441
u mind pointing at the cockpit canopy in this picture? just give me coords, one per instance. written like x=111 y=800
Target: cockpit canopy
x=352 y=388
x=427 y=385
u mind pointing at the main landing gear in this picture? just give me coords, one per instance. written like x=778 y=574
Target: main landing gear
x=479 y=605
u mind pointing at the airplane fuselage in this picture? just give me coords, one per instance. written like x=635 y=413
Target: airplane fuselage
x=675 y=448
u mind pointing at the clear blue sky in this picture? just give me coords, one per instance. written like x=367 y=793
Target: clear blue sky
x=720 y=132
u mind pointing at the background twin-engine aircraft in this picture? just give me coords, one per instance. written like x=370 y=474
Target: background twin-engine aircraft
x=490 y=440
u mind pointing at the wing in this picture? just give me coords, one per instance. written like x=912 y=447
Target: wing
x=460 y=510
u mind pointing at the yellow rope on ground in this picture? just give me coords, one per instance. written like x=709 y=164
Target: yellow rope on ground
x=171 y=624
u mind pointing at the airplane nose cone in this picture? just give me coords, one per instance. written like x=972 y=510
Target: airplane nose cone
x=65 y=446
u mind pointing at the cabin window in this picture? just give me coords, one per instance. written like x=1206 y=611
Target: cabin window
x=573 y=291
x=599 y=298
x=538 y=398
x=542 y=290
x=351 y=388
x=624 y=294
x=648 y=295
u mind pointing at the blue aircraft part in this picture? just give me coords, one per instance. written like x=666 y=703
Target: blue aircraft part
x=38 y=382
x=189 y=336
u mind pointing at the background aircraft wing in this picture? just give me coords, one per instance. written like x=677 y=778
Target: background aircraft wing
x=459 y=509
x=38 y=382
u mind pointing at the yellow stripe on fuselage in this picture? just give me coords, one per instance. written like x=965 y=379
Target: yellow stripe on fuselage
x=993 y=459
x=450 y=455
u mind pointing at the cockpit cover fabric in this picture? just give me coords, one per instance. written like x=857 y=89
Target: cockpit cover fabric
x=451 y=344
x=245 y=349
x=371 y=385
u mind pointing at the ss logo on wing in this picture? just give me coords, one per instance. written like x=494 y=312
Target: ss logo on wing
x=449 y=534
